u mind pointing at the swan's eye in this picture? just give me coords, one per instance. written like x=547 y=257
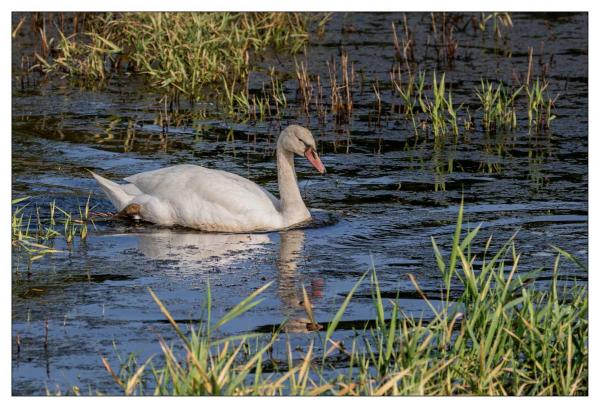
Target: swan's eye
x=306 y=145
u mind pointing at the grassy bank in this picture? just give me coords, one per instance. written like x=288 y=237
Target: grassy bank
x=209 y=57
x=505 y=334
x=183 y=54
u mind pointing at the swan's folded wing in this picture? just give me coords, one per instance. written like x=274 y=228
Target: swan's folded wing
x=131 y=189
x=196 y=185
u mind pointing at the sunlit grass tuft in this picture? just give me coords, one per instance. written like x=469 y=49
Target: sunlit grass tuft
x=540 y=105
x=498 y=106
x=34 y=236
x=183 y=54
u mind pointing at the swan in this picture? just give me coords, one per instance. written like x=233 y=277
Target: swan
x=215 y=200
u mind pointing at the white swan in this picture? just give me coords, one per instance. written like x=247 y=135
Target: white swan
x=216 y=200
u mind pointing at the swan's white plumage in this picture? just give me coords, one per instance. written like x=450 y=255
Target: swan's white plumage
x=206 y=199
x=215 y=200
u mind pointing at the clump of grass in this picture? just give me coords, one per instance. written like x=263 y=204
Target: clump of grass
x=261 y=107
x=442 y=28
x=503 y=335
x=468 y=123
x=407 y=94
x=305 y=87
x=320 y=101
x=25 y=237
x=35 y=236
x=539 y=105
x=342 y=102
x=434 y=108
x=182 y=53
x=81 y=60
x=405 y=50
x=270 y=102
x=277 y=93
x=452 y=114
x=440 y=109
x=442 y=116
x=498 y=106
x=501 y=21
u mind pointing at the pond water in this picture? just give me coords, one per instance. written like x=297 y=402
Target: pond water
x=384 y=196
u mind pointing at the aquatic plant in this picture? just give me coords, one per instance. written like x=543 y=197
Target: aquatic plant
x=468 y=123
x=504 y=334
x=407 y=93
x=442 y=27
x=440 y=109
x=377 y=93
x=434 y=108
x=341 y=95
x=277 y=93
x=34 y=235
x=452 y=114
x=539 y=105
x=320 y=101
x=498 y=106
x=305 y=88
x=405 y=51
x=182 y=53
x=24 y=238
x=500 y=21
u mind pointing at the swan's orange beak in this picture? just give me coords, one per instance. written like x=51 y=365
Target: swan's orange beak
x=314 y=159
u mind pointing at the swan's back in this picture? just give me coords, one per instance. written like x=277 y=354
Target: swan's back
x=211 y=200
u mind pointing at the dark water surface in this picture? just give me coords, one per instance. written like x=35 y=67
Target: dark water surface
x=384 y=196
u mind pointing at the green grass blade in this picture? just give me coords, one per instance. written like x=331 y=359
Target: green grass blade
x=338 y=316
x=241 y=307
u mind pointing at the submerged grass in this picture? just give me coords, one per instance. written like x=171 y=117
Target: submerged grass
x=503 y=335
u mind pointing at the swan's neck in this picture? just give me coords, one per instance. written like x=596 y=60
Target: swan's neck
x=292 y=206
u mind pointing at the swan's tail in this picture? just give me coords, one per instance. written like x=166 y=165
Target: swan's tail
x=117 y=196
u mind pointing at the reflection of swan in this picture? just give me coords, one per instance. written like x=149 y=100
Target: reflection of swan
x=192 y=247
x=288 y=289
x=189 y=249
x=290 y=250
x=215 y=200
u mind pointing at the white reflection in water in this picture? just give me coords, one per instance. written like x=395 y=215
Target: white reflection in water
x=289 y=289
x=191 y=250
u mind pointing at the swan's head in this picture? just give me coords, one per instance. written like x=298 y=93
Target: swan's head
x=299 y=140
